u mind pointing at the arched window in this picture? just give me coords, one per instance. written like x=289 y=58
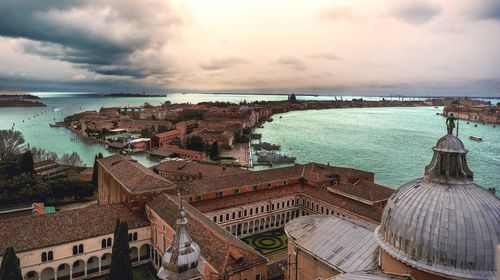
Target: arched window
x=109 y=242
x=103 y=243
x=44 y=257
x=129 y=237
x=50 y=256
x=75 y=250
x=135 y=236
x=80 y=249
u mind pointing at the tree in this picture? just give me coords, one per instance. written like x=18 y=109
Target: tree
x=10 y=269
x=26 y=164
x=40 y=154
x=72 y=159
x=292 y=97
x=121 y=265
x=214 y=151
x=95 y=174
x=195 y=143
x=11 y=143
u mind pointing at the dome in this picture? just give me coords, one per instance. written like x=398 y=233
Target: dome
x=450 y=144
x=180 y=260
x=443 y=223
x=245 y=109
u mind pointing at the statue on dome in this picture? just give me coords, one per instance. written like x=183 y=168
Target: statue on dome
x=450 y=123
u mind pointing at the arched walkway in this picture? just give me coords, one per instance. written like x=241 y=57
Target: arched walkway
x=48 y=274
x=63 y=272
x=105 y=261
x=92 y=265
x=144 y=252
x=32 y=275
x=78 y=269
x=134 y=254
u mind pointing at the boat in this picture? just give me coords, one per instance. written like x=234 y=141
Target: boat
x=273 y=157
x=266 y=146
x=56 y=124
x=475 y=138
x=270 y=120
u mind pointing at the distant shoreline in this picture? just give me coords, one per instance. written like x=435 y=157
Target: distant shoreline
x=20 y=100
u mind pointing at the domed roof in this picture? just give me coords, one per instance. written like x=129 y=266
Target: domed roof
x=180 y=260
x=442 y=229
x=443 y=223
x=450 y=144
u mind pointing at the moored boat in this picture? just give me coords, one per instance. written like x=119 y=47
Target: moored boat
x=475 y=138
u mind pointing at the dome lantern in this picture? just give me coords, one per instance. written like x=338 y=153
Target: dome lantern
x=180 y=260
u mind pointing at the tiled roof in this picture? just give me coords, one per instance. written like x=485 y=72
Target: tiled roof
x=218 y=246
x=195 y=168
x=167 y=133
x=45 y=230
x=239 y=180
x=311 y=171
x=374 y=274
x=355 y=207
x=364 y=191
x=134 y=176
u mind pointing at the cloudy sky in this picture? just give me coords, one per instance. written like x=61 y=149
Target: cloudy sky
x=332 y=46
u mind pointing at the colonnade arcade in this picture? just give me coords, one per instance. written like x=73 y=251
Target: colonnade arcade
x=89 y=265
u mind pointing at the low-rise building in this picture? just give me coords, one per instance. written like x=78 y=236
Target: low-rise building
x=179 y=170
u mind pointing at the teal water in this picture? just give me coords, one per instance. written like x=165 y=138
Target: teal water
x=395 y=143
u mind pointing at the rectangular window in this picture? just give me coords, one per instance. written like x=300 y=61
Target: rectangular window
x=257 y=277
x=198 y=198
x=262 y=208
x=288 y=203
x=245 y=213
x=269 y=185
x=254 y=188
x=256 y=210
x=237 y=191
x=227 y=217
x=218 y=194
x=215 y=219
x=221 y=217
x=239 y=214
x=234 y=215
x=251 y=211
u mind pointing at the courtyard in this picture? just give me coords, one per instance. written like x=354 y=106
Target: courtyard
x=268 y=242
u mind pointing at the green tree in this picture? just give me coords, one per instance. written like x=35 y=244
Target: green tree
x=11 y=143
x=121 y=265
x=26 y=164
x=10 y=269
x=195 y=143
x=214 y=151
x=95 y=171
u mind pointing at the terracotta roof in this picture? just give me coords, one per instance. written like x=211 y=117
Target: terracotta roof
x=240 y=180
x=353 y=206
x=225 y=252
x=45 y=230
x=195 y=168
x=168 y=133
x=364 y=191
x=311 y=171
x=134 y=176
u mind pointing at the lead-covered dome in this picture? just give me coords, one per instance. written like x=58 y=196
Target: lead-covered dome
x=443 y=223
x=180 y=260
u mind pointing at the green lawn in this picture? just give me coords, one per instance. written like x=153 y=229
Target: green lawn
x=268 y=242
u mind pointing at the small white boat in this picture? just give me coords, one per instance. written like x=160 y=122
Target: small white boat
x=475 y=138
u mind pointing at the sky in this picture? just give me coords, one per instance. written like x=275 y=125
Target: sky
x=408 y=47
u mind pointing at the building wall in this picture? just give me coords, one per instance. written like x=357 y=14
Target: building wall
x=93 y=261
x=392 y=266
x=302 y=266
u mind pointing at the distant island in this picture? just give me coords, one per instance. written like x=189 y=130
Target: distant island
x=19 y=100
x=123 y=94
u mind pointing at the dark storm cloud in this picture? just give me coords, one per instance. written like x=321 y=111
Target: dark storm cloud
x=292 y=63
x=416 y=12
x=222 y=63
x=485 y=10
x=96 y=35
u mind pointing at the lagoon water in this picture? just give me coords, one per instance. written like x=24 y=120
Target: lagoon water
x=395 y=143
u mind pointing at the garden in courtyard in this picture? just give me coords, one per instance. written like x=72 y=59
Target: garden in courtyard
x=143 y=272
x=268 y=242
